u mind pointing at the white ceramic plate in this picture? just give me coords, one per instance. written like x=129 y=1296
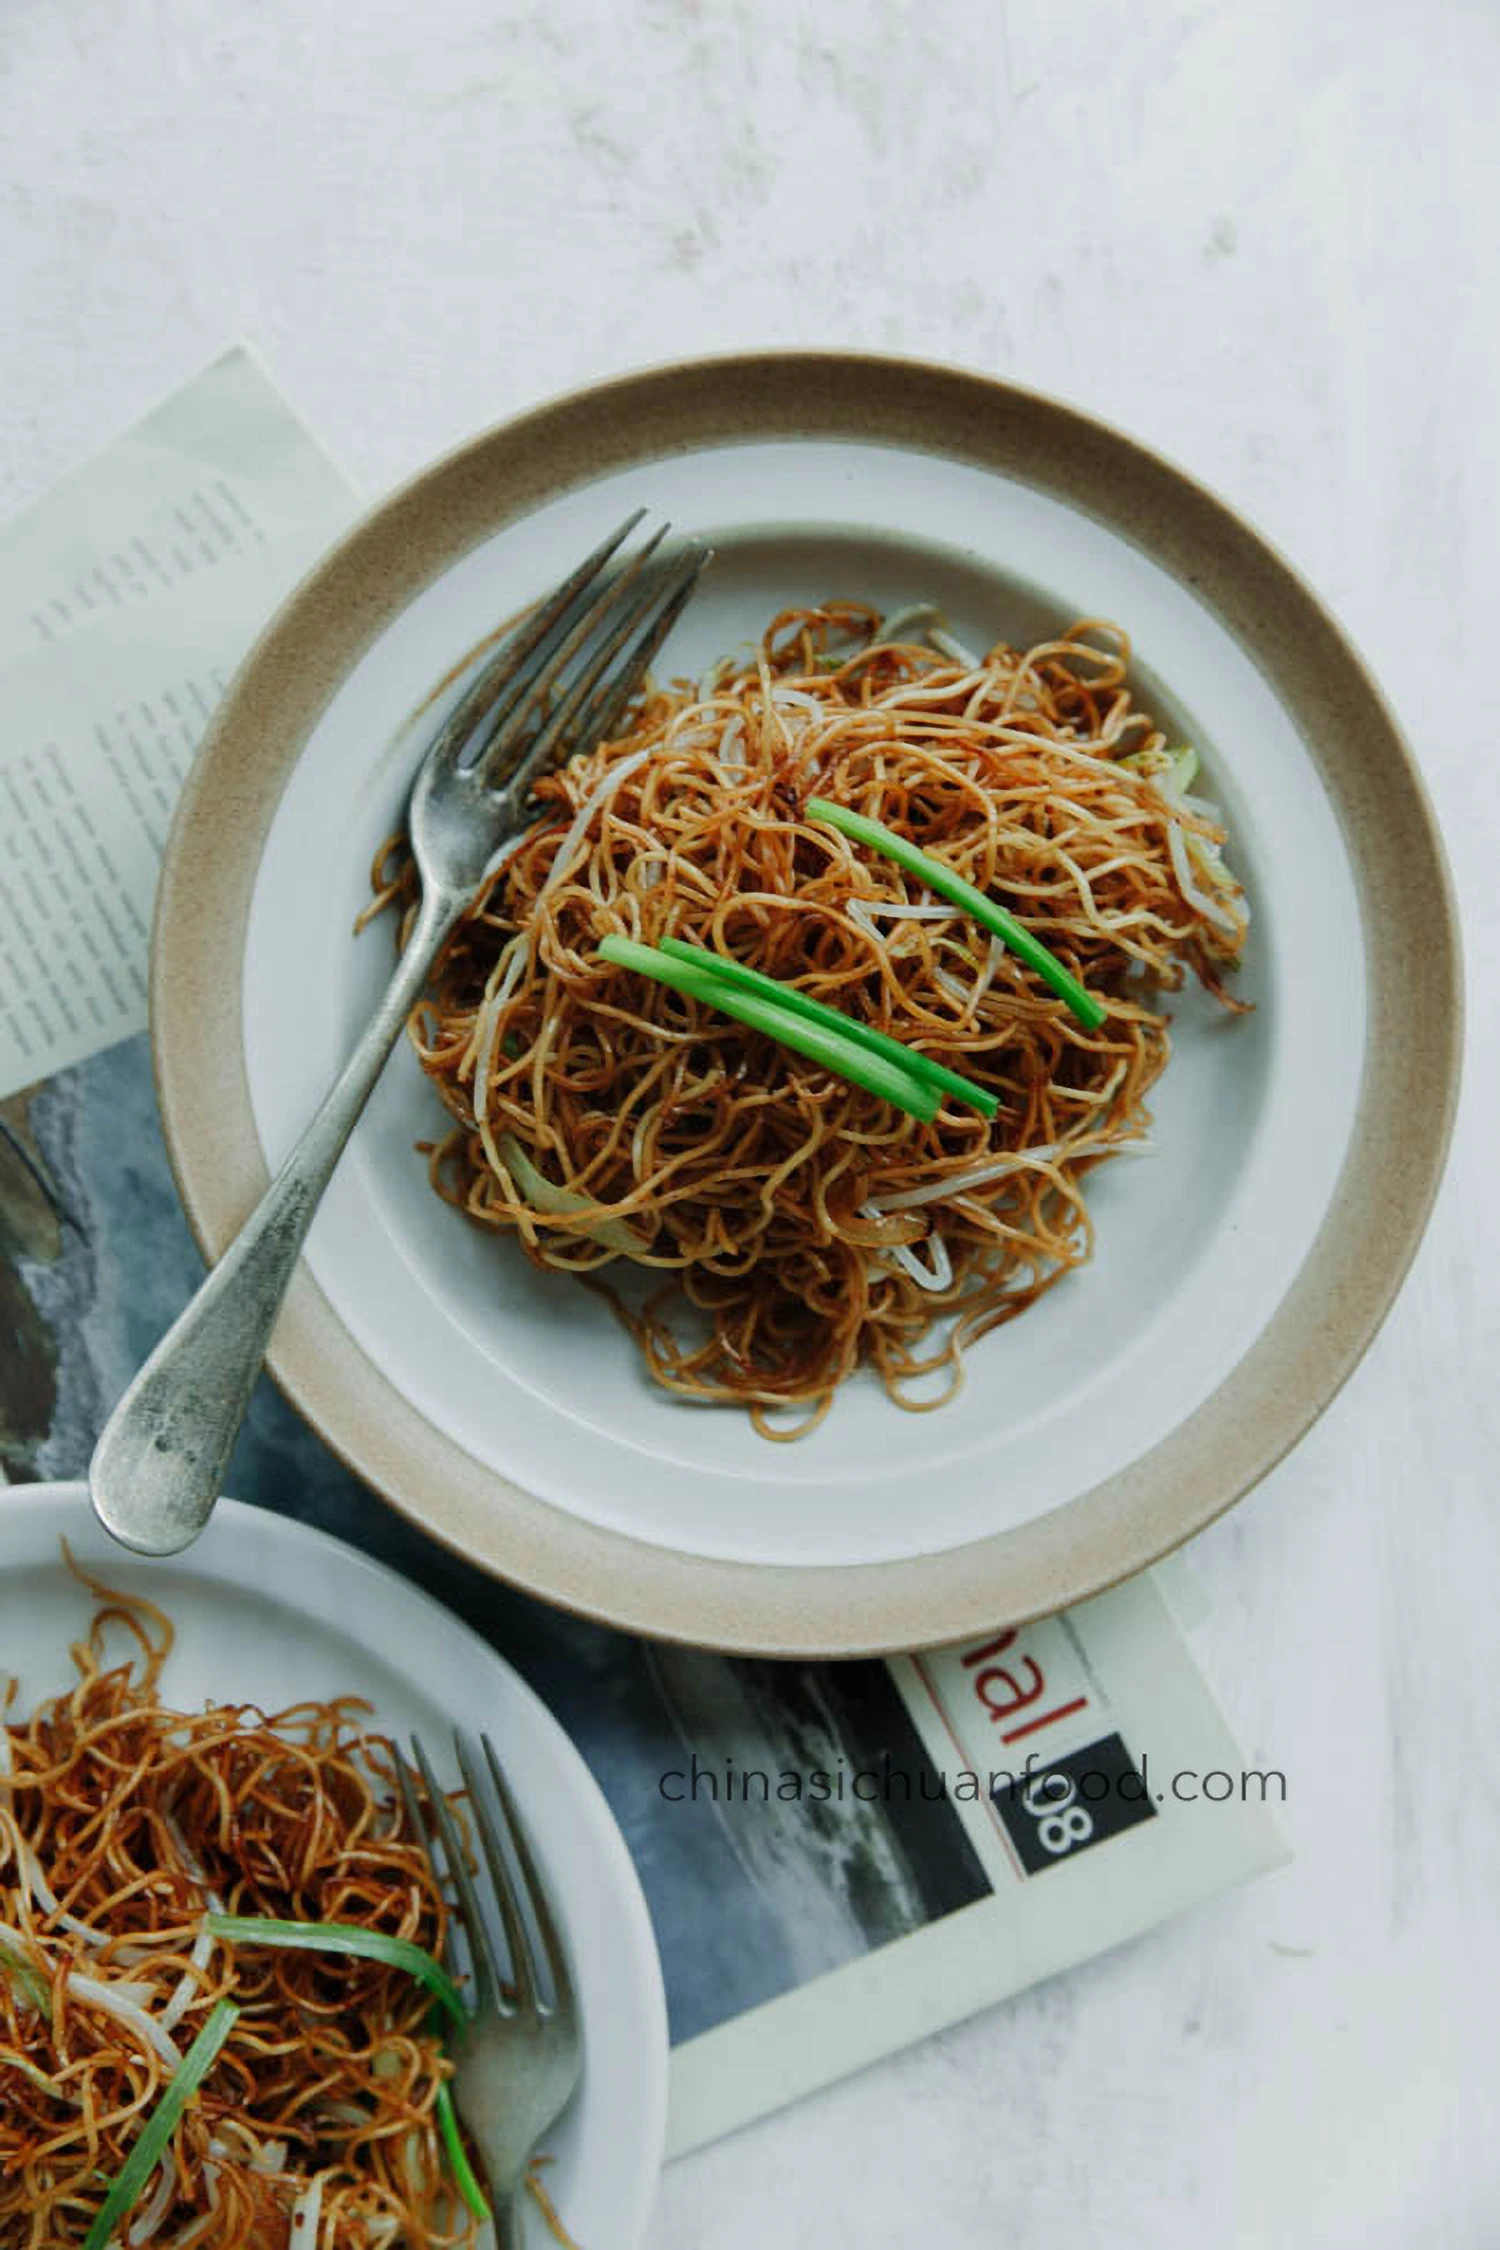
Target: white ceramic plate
x=529 y=1372
x=269 y=1612
x=1238 y=1273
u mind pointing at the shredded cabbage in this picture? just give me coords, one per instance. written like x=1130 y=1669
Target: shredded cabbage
x=1173 y=771
x=545 y=1196
x=1019 y=1160
x=618 y=773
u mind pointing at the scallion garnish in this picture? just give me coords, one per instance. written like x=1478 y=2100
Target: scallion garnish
x=458 y=2156
x=834 y=1050
x=349 y=1939
x=346 y=1938
x=29 y=1981
x=833 y=1019
x=162 y=2123
x=862 y=830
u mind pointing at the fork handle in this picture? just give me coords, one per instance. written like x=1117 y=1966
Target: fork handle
x=160 y=1462
x=506 y=2213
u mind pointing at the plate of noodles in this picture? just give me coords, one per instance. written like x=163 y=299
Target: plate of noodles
x=194 y=1756
x=918 y=1122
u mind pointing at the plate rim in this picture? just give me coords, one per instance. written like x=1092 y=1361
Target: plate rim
x=1381 y=1202
x=252 y=1523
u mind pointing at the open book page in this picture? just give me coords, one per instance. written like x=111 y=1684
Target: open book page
x=932 y=1834
x=127 y=598
x=220 y=471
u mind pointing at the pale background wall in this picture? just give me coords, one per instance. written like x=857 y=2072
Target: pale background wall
x=1263 y=238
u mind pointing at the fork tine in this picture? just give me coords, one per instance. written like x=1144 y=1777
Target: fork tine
x=639 y=633
x=531 y=692
x=557 y=1960
x=597 y=720
x=488 y=1981
x=419 y=1828
x=519 y=646
x=409 y=1801
x=522 y=1965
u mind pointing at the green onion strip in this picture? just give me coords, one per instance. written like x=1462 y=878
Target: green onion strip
x=814 y=1011
x=346 y=1938
x=896 y=1083
x=458 y=2156
x=162 y=2123
x=397 y=1953
x=862 y=830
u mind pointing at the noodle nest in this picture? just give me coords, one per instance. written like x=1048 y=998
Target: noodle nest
x=121 y=1824
x=763 y=1227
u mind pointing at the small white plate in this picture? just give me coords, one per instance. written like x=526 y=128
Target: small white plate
x=267 y=1611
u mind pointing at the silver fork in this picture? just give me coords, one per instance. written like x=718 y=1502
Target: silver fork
x=556 y=685
x=518 y=2058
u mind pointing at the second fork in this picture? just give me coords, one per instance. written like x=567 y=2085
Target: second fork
x=519 y=2058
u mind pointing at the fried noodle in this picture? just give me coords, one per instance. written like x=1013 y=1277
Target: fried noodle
x=122 y=1823
x=798 y=1226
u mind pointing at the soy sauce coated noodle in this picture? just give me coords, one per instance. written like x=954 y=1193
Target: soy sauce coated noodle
x=800 y=1226
x=121 y=1824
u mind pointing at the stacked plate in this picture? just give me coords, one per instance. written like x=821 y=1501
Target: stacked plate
x=1238 y=1276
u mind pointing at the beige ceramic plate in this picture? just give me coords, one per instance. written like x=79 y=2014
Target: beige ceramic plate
x=1239 y=1276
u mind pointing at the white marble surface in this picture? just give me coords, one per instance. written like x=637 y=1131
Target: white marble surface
x=1264 y=239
